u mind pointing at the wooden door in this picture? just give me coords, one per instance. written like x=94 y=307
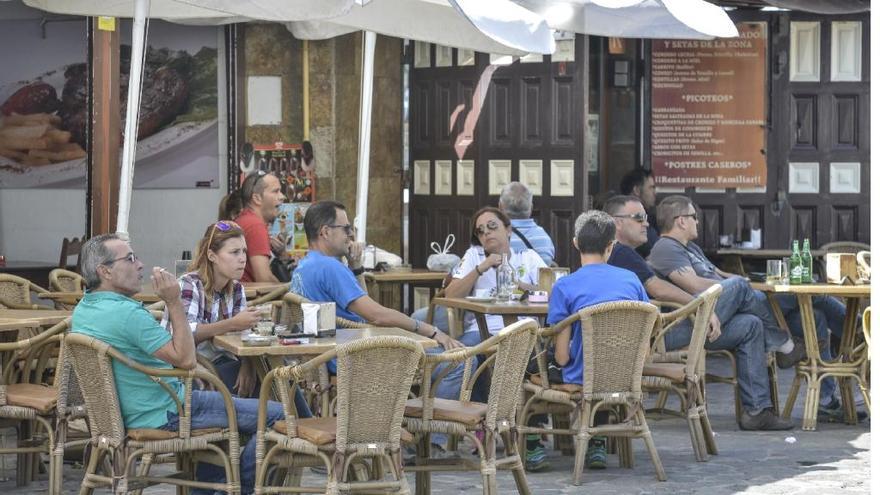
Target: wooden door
x=530 y=127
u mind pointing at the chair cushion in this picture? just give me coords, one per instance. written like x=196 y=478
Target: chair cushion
x=321 y=431
x=469 y=413
x=571 y=388
x=148 y=434
x=673 y=371
x=38 y=397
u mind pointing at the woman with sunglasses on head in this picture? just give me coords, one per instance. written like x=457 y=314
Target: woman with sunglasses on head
x=215 y=302
x=490 y=239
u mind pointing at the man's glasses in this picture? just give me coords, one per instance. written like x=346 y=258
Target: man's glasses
x=347 y=227
x=131 y=257
x=638 y=217
x=692 y=215
x=482 y=230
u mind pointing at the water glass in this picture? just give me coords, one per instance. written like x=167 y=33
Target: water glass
x=774 y=271
x=784 y=277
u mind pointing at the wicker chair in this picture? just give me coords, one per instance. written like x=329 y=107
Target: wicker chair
x=321 y=386
x=91 y=360
x=375 y=376
x=15 y=292
x=865 y=348
x=270 y=296
x=28 y=397
x=683 y=372
x=61 y=280
x=427 y=414
x=616 y=337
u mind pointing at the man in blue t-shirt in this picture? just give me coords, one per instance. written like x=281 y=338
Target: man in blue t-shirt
x=594 y=283
x=321 y=277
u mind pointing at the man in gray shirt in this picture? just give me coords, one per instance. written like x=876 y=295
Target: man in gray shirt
x=748 y=326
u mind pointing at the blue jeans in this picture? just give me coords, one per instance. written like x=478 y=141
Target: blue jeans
x=228 y=369
x=209 y=411
x=742 y=333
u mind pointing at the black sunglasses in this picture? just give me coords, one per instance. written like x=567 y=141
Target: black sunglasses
x=489 y=226
x=347 y=227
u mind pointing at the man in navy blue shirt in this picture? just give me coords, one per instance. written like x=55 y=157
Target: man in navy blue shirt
x=728 y=328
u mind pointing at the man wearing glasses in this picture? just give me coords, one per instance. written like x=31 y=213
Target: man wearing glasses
x=676 y=257
x=113 y=274
x=730 y=327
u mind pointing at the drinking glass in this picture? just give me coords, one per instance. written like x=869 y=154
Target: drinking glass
x=784 y=274
x=774 y=271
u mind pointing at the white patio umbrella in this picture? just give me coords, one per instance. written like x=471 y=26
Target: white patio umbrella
x=139 y=11
x=495 y=26
x=688 y=19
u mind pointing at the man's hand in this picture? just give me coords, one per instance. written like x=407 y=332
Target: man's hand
x=246 y=318
x=714 y=328
x=278 y=243
x=165 y=285
x=355 y=255
x=446 y=341
x=247 y=378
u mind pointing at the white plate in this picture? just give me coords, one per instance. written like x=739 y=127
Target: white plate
x=479 y=299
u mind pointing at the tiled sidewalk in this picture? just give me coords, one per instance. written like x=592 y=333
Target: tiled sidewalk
x=834 y=459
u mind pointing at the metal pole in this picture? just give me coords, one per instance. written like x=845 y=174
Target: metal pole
x=132 y=113
x=363 y=176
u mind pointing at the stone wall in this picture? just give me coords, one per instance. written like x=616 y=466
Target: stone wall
x=334 y=105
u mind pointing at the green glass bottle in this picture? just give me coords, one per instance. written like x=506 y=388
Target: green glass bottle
x=806 y=263
x=794 y=265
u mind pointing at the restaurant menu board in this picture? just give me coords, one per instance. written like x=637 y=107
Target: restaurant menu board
x=708 y=111
x=290 y=222
x=286 y=161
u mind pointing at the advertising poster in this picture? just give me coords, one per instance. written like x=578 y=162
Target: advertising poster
x=290 y=222
x=708 y=111
x=44 y=105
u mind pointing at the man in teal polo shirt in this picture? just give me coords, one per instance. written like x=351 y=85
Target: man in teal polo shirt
x=113 y=274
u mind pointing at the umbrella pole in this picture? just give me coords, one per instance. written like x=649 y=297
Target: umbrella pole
x=363 y=176
x=132 y=113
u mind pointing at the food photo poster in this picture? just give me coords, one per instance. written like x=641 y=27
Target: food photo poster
x=44 y=110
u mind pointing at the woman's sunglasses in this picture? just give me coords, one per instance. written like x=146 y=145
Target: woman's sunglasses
x=222 y=226
x=482 y=230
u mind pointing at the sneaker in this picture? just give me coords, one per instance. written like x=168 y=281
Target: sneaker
x=597 y=453
x=799 y=352
x=322 y=470
x=439 y=452
x=408 y=455
x=536 y=460
x=766 y=420
x=833 y=413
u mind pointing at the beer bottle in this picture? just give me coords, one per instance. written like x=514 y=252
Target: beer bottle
x=794 y=265
x=806 y=263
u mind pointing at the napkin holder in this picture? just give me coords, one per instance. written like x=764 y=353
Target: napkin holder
x=318 y=317
x=839 y=267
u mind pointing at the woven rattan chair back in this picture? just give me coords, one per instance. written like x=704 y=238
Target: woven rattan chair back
x=91 y=362
x=616 y=336
x=289 y=310
x=61 y=280
x=374 y=377
x=511 y=358
x=14 y=289
x=706 y=306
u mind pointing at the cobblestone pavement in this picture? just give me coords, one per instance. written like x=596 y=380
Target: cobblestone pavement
x=834 y=459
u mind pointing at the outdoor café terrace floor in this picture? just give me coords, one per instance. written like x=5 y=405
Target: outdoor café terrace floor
x=833 y=459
